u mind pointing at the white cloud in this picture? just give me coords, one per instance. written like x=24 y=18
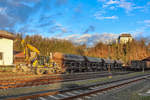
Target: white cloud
x=128 y=6
x=101 y=0
x=138 y=7
x=71 y=36
x=64 y=30
x=148 y=3
x=147 y=21
x=100 y=15
x=107 y=17
x=137 y=33
x=145 y=25
x=112 y=7
x=85 y=36
x=91 y=39
x=3 y=11
x=59 y=27
x=77 y=38
x=112 y=2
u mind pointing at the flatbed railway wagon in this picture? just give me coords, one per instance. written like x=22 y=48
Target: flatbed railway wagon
x=118 y=65
x=93 y=64
x=76 y=63
x=108 y=64
x=138 y=65
x=146 y=63
x=71 y=63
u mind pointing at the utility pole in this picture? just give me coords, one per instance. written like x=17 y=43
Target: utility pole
x=109 y=69
x=143 y=67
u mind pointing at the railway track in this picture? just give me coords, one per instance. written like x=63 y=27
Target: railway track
x=84 y=92
x=31 y=81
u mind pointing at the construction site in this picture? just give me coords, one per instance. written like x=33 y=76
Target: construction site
x=74 y=50
x=30 y=75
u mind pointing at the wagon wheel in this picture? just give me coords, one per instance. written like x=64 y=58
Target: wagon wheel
x=39 y=71
x=25 y=69
x=14 y=70
x=51 y=71
x=18 y=69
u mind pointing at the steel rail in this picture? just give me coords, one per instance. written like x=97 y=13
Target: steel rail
x=120 y=82
x=49 y=80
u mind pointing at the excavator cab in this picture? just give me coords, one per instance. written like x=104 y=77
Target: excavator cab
x=43 y=60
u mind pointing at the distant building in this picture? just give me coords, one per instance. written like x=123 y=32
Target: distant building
x=124 y=38
x=19 y=58
x=146 y=59
x=6 y=48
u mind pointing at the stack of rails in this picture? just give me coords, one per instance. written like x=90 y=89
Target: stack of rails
x=27 y=81
x=138 y=65
x=77 y=63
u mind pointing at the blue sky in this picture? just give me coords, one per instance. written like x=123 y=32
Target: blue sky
x=76 y=20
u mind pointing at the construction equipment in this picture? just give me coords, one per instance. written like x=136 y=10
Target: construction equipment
x=37 y=64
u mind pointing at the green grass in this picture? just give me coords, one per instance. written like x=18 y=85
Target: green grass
x=6 y=69
x=106 y=79
x=135 y=96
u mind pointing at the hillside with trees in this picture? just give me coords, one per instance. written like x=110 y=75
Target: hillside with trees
x=135 y=50
x=47 y=45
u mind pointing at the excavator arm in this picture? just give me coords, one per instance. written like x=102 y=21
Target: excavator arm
x=32 y=48
x=29 y=46
x=27 y=51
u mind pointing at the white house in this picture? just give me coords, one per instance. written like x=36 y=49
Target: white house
x=6 y=48
x=124 y=38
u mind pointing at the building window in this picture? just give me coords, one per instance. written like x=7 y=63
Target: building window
x=1 y=55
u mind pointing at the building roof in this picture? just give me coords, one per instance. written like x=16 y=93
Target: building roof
x=5 y=34
x=125 y=35
x=16 y=52
x=146 y=59
x=19 y=55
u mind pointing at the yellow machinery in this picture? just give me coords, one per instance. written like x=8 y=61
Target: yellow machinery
x=37 y=64
x=27 y=51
